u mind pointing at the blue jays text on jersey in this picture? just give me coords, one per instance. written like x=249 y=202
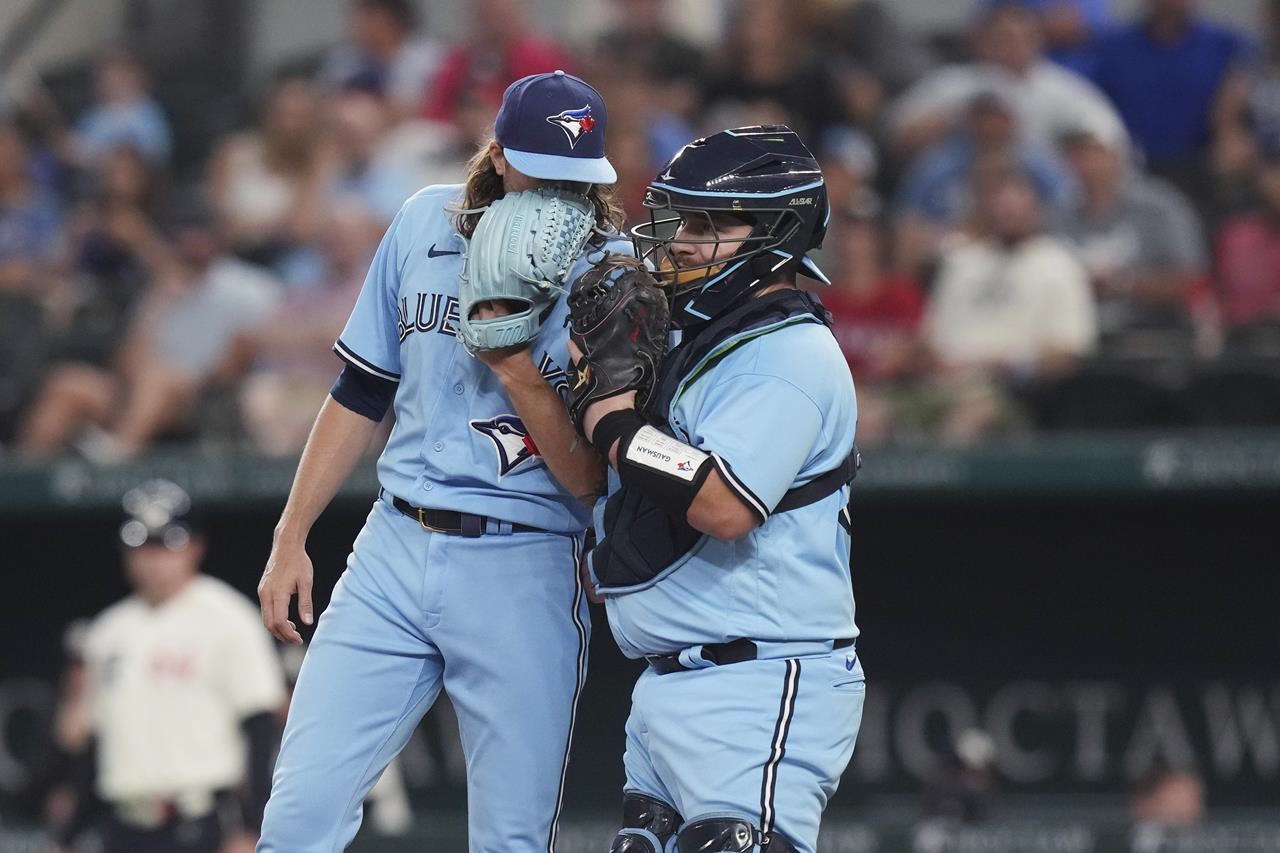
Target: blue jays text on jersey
x=457 y=442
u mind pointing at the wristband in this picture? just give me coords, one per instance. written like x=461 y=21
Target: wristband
x=619 y=424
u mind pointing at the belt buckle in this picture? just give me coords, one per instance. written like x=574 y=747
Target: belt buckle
x=422 y=519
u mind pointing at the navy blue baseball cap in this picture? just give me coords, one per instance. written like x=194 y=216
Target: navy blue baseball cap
x=551 y=126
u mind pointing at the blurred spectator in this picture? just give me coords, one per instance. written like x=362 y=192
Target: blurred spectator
x=765 y=67
x=359 y=123
x=435 y=152
x=875 y=315
x=1246 y=116
x=385 y=55
x=125 y=114
x=108 y=240
x=1168 y=797
x=1010 y=307
x=642 y=43
x=29 y=220
x=633 y=159
x=182 y=342
x=1163 y=73
x=868 y=34
x=504 y=46
x=294 y=362
x=267 y=184
x=1248 y=257
x=1139 y=239
x=1071 y=29
x=29 y=223
x=935 y=197
x=643 y=52
x=1047 y=98
x=850 y=166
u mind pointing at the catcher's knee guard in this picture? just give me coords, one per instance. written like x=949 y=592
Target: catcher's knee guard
x=730 y=835
x=776 y=842
x=648 y=825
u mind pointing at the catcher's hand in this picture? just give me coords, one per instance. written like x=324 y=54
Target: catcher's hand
x=618 y=320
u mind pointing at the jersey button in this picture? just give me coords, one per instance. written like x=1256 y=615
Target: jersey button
x=439 y=445
x=427 y=486
x=458 y=389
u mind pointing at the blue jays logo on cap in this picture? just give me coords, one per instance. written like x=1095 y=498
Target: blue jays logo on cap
x=574 y=123
x=510 y=439
x=539 y=114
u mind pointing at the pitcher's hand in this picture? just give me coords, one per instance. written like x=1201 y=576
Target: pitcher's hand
x=288 y=571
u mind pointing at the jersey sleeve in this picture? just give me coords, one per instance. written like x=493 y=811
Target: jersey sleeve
x=371 y=339
x=760 y=431
x=253 y=678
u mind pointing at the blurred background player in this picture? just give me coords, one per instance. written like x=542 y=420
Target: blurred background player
x=178 y=713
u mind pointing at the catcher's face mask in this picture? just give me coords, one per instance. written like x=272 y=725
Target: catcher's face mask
x=692 y=249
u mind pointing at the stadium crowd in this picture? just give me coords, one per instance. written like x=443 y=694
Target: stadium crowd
x=1058 y=219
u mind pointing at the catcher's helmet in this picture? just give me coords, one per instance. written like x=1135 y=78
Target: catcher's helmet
x=764 y=176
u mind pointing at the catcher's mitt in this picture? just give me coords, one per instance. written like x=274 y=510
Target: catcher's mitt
x=618 y=318
x=521 y=252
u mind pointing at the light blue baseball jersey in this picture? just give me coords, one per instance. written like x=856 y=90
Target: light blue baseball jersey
x=402 y=624
x=457 y=442
x=776 y=412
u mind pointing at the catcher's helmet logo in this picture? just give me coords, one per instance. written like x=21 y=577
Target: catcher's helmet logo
x=510 y=439
x=574 y=123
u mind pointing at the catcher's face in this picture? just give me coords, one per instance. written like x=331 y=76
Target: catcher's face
x=688 y=247
x=706 y=240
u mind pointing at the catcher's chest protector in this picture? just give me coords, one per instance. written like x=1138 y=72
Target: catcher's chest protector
x=643 y=542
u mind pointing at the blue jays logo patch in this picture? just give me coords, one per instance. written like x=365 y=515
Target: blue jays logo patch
x=510 y=439
x=574 y=123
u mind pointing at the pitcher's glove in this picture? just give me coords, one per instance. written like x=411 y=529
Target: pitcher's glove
x=618 y=319
x=520 y=253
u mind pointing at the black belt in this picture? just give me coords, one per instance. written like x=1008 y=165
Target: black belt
x=721 y=654
x=452 y=522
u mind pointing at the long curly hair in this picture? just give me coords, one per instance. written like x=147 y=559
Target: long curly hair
x=484 y=186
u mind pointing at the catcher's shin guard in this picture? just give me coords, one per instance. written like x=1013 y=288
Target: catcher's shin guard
x=648 y=826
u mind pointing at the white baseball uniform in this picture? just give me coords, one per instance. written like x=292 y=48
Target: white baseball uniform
x=170 y=687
